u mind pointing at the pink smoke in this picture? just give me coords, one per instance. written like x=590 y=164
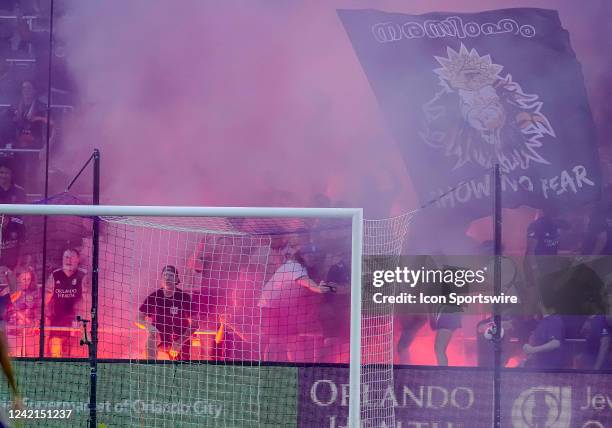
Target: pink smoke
x=252 y=103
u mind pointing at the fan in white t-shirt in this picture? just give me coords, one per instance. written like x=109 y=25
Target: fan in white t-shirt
x=280 y=298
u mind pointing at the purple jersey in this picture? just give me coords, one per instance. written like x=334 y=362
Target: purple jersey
x=549 y=328
x=546 y=231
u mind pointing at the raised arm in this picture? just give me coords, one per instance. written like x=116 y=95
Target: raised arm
x=11 y=280
x=144 y=319
x=551 y=345
x=49 y=285
x=196 y=260
x=312 y=286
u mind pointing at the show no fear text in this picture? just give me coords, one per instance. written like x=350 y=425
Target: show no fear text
x=572 y=180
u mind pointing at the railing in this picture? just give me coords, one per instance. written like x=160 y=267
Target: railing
x=63 y=107
x=12 y=150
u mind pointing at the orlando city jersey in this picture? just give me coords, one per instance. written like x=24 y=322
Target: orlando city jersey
x=67 y=292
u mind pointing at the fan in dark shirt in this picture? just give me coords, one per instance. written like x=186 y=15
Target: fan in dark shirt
x=546 y=348
x=597 y=334
x=167 y=315
x=542 y=264
x=12 y=230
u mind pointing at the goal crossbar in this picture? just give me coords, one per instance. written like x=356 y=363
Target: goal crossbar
x=179 y=211
x=355 y=214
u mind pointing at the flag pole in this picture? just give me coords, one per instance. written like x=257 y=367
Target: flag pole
x=497 y=240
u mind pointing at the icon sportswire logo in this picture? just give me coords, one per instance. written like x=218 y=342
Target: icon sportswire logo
x=543 y=407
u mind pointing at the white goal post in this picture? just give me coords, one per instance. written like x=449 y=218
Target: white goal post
x=354 y=214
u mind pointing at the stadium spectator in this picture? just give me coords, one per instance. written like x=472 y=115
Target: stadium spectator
x=282 y=301
x=10 y=193
x=29 y=128
x=596 y=331
x=445 y=319
x=580 y=293
x=542 y=266
x=12 y=229
x=24 y=313
x=30 y=116
x=8 y=293
x=20 y=41
x=309 y=311
x=544 y=233
x=598 y=237
x=67 y=292
x=240 y=335
x=7 y=26
x=335 y=310
x=597 y=243
x=546 y=348
x=9 y=85
x=409 y=321
x=214 y=264
x=167 y=316
x=9 y=94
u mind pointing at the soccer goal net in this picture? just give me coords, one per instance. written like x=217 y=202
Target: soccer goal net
x=224 y=317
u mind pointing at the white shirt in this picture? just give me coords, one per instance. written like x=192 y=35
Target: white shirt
x=282 y=289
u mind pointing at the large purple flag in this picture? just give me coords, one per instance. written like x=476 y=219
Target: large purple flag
x=462 y=92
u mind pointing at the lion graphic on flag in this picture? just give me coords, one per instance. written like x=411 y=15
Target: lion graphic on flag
x=482 y=117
